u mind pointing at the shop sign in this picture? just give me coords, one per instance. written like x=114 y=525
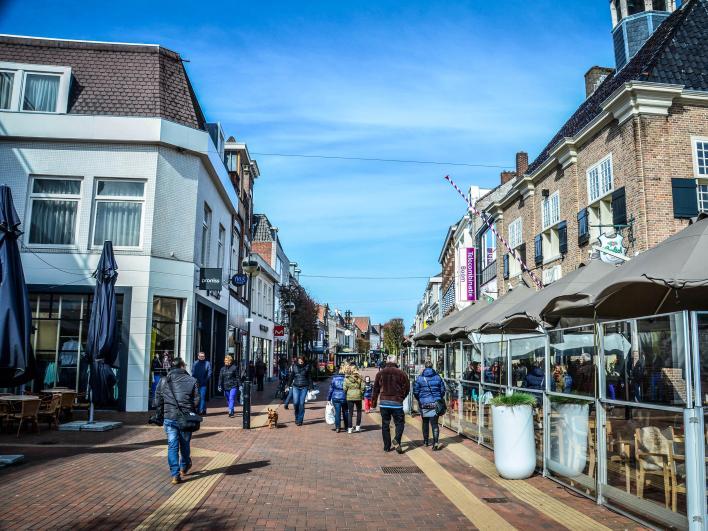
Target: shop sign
x=240 y=279
x=552 y=274
x=466 y=275
x=279 y=331
x=263 y=328
x=210 y=278
x=616 y=250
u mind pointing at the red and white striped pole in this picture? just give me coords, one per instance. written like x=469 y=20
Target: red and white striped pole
x=486 y=221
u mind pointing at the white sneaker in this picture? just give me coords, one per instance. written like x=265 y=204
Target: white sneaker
x=349 y=430
x=358 y=428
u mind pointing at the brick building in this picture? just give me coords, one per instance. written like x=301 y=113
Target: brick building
x=630 y=165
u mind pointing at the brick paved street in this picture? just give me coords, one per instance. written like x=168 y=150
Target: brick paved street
x=294 y=477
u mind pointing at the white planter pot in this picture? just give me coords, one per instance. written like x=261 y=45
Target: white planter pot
x=569 y=440
x=514 y=444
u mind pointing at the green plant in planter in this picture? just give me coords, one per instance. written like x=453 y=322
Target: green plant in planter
x=515 y=399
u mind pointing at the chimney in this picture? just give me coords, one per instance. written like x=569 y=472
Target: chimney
x=594 y=77
x=507 y=176
x=522 y=163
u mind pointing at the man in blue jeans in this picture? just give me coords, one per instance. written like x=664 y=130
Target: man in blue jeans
x=176 y=392
x=391 y=387
x=300 y=381
x=201 y=370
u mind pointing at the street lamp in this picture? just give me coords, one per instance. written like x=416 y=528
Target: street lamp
x=251 y=268
x=290 y=308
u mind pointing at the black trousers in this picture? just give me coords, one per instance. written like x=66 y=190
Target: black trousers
x=399 y=421
x=260 y=383
x=350 y=407
x=427 y=423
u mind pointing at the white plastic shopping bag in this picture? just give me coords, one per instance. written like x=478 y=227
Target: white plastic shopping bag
x=329 y=413
x=311 y=395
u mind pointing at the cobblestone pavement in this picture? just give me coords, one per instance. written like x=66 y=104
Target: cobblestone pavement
x=304 y=477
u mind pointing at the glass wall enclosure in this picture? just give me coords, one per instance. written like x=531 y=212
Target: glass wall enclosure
x=613 y=401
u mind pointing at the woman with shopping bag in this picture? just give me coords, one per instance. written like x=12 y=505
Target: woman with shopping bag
x=338 y=398
x=300 y=381
x=429 y=390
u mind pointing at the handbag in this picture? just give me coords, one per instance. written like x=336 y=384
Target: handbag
x=329 y=413
x=440 y=406
x=186 y=421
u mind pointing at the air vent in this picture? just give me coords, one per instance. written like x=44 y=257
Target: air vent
x=496 y=500
x=401 y=470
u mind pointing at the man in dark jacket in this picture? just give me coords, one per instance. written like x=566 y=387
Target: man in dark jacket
x=176 y=392
x=536 y=379
x=392 y=386
x=300 y=381
x=260 y=374
x=201 y=370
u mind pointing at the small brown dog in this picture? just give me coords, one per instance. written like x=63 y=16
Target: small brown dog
x=272 y=418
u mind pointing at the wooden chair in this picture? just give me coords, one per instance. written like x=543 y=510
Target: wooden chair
x=619 y=453
x=27 y=411
x=49 y=409
x=652 y=452
x=67 y=403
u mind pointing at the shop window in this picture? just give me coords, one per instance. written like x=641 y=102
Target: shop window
x=54 y=207
x=166 y=334
x=528 y=363
x=34 y=88
x=119 y=213
x=494 y=366
x=60 y=329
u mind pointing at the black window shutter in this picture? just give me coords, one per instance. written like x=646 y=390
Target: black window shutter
x=685 y=198
x=521 y=249
x=538 y=249
x=619 y=207
x=583 y=227
x=506 y=266
x=563 y=237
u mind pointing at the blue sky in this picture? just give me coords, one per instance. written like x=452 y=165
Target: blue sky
x=469 y=82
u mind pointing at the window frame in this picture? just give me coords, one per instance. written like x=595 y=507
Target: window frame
x=32 y=196
x=20 y=71
x=695 y=140
x=704 y=183
x=512 y=232
x=601 y=194
x=549 y=201
x=220 y=246
x=118 y=199
x=207 y=216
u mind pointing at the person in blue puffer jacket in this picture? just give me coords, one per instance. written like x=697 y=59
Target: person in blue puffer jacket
x=338 y=398
x=428 y=389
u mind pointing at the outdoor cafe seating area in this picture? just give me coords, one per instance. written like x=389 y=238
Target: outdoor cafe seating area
x=617 y=358
x=25 y=412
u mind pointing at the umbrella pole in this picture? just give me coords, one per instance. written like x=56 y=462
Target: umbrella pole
x=666 y=296
x=90 y=393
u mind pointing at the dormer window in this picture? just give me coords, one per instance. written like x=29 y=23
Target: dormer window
x=634 y=7
x=34 y=88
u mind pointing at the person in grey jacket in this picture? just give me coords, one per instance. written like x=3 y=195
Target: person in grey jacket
x=177 y=391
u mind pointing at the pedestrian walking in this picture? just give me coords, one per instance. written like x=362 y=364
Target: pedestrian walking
x=260 y=373
x=391 y=386
x=251 y=372
x=338 y=396
x=428 y=389
x=229 y=383
x=300 y=381
x=177 y=394
x=354 y=388
x=201 y=370
x=368 y=392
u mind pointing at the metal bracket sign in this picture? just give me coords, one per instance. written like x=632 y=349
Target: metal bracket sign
x=210 y=278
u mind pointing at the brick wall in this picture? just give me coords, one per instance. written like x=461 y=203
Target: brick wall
x=647 y=151
x=264 y=249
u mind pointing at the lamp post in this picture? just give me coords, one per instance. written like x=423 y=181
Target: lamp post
x=251 y=268
x=290 y=308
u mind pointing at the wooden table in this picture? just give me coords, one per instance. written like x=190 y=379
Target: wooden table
x=58 y=390
x=17 y=398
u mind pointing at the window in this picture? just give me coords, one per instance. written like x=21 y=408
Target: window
x=618 y=10
x=34 y=88
x=634 y=7
x=550 y=210
x=166 y=333
x=118 y=213
x=703 y=196
x=54 y=204
x=701 y=157
x=600 y=179
x=658 y=5
x=515 y=233
x=206 y=230
x=220 y=244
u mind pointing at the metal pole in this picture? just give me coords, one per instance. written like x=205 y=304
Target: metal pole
x=247 y=383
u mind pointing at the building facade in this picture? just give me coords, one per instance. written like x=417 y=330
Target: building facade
x=105 y=141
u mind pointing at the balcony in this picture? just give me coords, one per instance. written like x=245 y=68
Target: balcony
x=488 y=273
